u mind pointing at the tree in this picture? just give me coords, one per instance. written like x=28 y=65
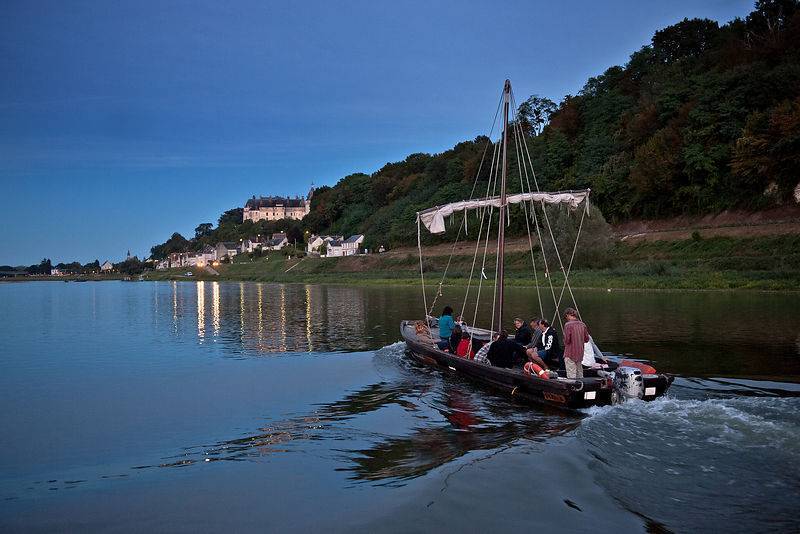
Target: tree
x=203 y=230
x=176 y=243
x=534 y=113
x=295 y=234
x=234 y=217
x=686 y=39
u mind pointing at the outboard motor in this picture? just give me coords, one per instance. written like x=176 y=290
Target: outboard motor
x=628 y=383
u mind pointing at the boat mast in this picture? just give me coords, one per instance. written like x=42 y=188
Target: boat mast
x=501 y=236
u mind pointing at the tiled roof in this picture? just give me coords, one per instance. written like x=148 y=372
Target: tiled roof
x=272 y=202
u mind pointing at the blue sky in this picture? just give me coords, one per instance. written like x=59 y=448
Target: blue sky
x=121 y=122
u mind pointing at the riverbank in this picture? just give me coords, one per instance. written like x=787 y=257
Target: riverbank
x=718 y=263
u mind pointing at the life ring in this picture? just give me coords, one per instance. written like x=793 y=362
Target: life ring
x=533 y=369
x=643 y=367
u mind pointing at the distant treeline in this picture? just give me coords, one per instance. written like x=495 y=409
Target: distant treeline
x=703 y=119
x=129 y=266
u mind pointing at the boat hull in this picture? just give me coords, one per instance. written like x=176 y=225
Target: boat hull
x=562 y=393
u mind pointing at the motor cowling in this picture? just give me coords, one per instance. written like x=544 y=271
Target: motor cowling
x=628 y=383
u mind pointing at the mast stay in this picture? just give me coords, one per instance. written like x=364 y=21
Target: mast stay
x=433 y=219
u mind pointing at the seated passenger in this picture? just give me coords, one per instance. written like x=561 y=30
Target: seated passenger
x=461 y=322
x=464 y=348
x=446 y=325
x=506 y=353
x=480 y=356
x=537 y=333
x=455 y=338
x=423 y=333
x=548 y=348
x=524 y=334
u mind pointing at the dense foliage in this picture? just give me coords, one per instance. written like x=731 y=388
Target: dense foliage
x=703 y=119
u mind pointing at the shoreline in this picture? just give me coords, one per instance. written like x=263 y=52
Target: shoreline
x=391 y=281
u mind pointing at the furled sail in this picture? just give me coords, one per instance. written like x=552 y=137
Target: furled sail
x=433 y=218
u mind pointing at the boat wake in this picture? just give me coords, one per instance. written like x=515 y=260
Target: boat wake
x=717 y=458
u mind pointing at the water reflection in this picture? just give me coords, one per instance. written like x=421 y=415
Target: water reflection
x=201 y=311
x=445 y=421
x=690 y=334
x=269 y=318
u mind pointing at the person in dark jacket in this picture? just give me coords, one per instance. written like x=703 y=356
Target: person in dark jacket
x=524 y=334
x=506 y=353
x=455 y=338
x=548 y=348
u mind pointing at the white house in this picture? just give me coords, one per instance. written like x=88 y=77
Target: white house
x=347 y=247
x=226 y=248
x=107 y=267
x=206 y=256
x=277 y=242
x=162 y=264
x=316 y=241
x=253 y=244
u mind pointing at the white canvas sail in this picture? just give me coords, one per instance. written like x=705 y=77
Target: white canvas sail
x=433 y=218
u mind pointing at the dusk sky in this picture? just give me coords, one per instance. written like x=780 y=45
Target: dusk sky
x=122 y=122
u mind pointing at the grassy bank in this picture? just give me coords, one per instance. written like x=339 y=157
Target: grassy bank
x=763 y=263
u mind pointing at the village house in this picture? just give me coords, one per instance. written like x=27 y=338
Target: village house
x=107 y=267
x=176 y=259
x=276 y=208
x=277 y=242
x=162 y=264
x=315 y=242
x=206 y=256
x=347 y=247
x=226 y=248
x=253 y=244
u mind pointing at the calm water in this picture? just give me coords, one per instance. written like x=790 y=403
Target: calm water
x=226 y=406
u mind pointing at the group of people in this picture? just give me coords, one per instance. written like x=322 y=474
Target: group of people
x=535 y=346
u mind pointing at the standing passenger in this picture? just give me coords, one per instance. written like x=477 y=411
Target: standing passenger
x=575 y=336
x=446 y=325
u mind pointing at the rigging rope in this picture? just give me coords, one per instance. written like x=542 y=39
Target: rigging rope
x=517 y=136
x=480 y=230
x=472 y=192
x=536 y=224
x=569 y=267
x=422 y=276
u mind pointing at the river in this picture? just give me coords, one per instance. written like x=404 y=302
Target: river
x=204 y=406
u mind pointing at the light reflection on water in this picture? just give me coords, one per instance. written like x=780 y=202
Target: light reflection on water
x=698 y=334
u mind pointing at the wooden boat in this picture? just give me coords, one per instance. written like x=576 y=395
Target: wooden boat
x=606 y=382
x=597 y=388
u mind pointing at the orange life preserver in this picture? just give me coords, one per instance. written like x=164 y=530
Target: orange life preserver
x=643 y=367
x=532 y=368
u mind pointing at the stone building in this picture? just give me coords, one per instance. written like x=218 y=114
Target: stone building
x=276 y=208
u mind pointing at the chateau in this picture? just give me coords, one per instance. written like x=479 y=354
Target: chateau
x=275 y=208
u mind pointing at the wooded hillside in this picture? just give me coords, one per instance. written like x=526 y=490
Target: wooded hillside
x=703 y=119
